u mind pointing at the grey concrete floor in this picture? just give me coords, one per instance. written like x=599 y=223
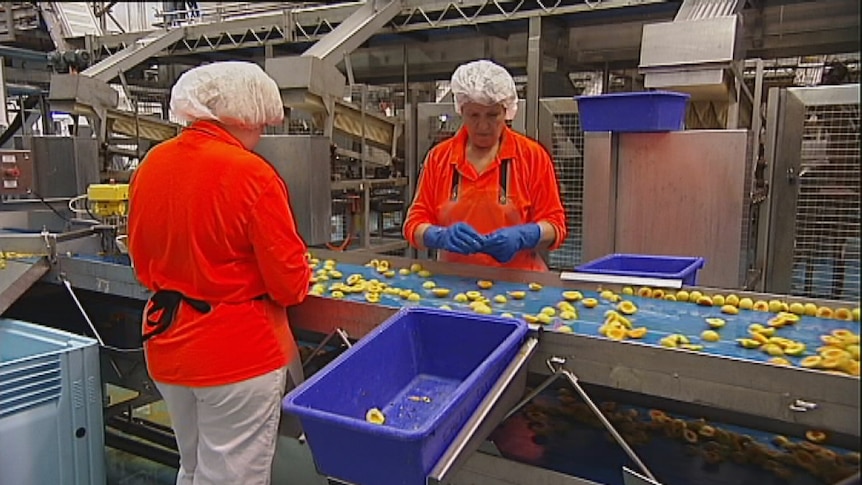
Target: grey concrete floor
x=293 y=465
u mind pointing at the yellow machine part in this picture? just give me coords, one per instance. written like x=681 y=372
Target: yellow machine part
x=109 y=199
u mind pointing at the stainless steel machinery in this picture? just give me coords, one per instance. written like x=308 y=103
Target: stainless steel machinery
x=810 y=232
x=303 y=163
x=681 y=193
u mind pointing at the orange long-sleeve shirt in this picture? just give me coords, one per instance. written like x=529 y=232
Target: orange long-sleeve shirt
x=533 y=187
x=212 y=220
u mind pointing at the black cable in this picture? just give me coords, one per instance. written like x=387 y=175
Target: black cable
x=55 y=211
x=29 y=102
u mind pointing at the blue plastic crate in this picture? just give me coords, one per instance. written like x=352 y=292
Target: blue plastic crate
x=651 y=111
x=451 y=358
x=647 y=266
x=51 y=423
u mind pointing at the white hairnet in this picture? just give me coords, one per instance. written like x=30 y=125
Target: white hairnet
x=234 y=93
x=484 y=82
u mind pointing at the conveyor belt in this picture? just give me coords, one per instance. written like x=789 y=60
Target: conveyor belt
x=660 y=317
x=722 y=376
x=722 y=381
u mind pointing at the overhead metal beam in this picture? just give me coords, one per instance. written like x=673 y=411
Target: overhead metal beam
x=312 y=24
x=134 y=54
x=354 y=30
x=823 y=27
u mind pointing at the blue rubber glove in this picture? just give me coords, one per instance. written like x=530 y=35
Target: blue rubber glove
x=503 y=244
x=458 y=238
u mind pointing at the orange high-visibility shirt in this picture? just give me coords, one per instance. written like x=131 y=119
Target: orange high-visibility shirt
x=532 y=185
x=211 y=220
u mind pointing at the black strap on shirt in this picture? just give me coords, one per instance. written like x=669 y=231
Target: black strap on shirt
x=168 y=302
x=504 y=181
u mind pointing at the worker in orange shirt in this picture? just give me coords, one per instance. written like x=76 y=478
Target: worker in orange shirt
x=212 y=234
x=488 y=195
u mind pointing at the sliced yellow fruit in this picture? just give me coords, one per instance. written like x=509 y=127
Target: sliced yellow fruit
x=627 y=308
x=375 y=416
x=730 y=310
x=710 y=336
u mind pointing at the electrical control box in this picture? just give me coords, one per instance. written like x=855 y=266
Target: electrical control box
x=16 y=172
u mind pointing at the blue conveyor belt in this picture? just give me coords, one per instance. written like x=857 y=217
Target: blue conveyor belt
x=661 y=317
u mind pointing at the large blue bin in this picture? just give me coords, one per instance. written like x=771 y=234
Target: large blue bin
x=450 y=358
x=651 y=111
x=647 y=266
x=51 y=422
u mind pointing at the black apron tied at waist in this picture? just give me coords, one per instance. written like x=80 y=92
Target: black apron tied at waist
x=163 y=307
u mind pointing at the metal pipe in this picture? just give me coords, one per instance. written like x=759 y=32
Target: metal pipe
x=573 y=380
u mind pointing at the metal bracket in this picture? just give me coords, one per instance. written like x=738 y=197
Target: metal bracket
x=802 y=406
x=557 y=368
x=339 y=332
x=487 y=416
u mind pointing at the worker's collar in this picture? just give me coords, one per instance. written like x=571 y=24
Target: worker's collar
x=506 y=150
x=213 y=129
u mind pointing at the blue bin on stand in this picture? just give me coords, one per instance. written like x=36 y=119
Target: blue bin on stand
x=643 y=112
x=427 y=370
x=647 y=266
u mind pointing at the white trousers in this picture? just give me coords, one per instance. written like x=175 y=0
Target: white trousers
x=226 y=434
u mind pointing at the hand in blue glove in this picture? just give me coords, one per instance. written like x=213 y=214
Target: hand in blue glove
x=458 y=238
x=503 y=244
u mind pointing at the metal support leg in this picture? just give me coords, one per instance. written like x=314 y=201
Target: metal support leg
x=556 y=365
x=339 y=332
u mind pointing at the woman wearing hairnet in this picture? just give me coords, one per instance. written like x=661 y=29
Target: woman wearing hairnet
x=488 y=195
x=212 y=234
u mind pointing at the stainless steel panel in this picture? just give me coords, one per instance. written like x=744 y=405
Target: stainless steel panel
x=107 y=278
x=764 y=210
x=684 y=193
x=534 y=76
x=84 y=95
x=16 y=277
x=825 y=95
x=784 y=159
x=766 y=391
x=600 y=195
x=306 y=73
x=64 y=166
x=701 y=41
x=302 y=161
